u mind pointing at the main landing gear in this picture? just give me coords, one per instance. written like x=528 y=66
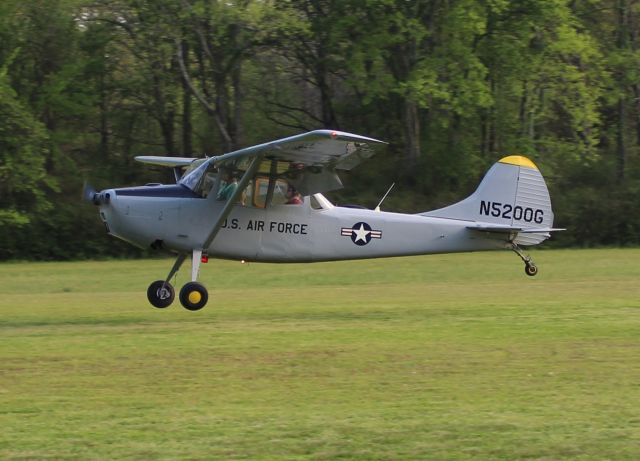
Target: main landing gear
x=193 y=295
x=160 y=294
x=529 y=266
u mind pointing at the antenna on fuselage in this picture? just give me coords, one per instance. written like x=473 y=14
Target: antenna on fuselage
x=384 y=197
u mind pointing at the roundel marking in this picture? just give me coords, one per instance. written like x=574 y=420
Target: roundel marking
x=361 y=233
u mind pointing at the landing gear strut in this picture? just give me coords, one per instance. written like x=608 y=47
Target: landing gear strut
x=529 y=266
x=193 y=295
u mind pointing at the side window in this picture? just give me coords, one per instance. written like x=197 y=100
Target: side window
x=259 y=196
x=280 y=192
x=207 y=183
x=247 y=195
x=260 y=189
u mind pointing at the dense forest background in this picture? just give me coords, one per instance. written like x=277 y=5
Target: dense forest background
x=453 y=85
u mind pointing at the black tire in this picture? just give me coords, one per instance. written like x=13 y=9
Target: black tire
x=531 y=270
x=160 y=294
x=193 y=296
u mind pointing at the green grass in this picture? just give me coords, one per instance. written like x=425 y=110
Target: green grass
x=442 y=357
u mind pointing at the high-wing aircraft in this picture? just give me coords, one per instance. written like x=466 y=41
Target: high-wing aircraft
x=265 y=203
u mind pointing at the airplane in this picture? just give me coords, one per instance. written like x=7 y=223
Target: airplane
x=265 y=203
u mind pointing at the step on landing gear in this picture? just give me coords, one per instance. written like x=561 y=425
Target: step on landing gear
x=529 y=266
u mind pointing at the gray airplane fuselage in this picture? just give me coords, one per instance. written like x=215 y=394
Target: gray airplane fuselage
x=246 y=205
x=282 y=233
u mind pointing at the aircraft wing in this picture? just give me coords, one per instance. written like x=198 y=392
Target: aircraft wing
x=322 y=148
x=174 y=162
x=313 y=157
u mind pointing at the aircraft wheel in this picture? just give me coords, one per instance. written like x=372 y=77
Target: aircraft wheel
x=531 y=269
x=194 y=296
x=160 y=294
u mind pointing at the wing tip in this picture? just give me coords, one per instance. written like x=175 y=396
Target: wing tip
x=343 y=135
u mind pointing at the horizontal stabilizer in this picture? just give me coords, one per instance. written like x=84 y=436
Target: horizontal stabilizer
x=508 y=229
x=171 y=162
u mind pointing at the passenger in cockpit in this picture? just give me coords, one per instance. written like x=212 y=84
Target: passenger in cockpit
x=228 y=187
x=293 y=196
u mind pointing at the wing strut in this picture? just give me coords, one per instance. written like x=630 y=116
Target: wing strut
x=196 y=257
x=244 y=181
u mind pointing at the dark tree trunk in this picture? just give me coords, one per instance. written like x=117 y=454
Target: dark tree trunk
x=622 y=43
x=621 y=155
x=411 y=126
x=187 y=127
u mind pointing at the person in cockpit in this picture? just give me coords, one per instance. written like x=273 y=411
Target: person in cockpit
x=293 y=196
x=228 y=187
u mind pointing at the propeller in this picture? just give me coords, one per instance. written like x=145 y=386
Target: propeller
x=90 y=194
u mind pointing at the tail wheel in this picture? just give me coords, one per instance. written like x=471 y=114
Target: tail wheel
x=531 y=269
x=193 y=296
x=160 y=294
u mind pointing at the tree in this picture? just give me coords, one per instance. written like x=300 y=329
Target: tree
x=23 y=180
x=211 y=59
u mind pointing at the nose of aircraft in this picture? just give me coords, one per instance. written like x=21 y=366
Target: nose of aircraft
x=102 y=198
x=97 y=198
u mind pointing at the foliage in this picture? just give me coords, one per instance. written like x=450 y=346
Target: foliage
x=453 y=85
x=24 y=147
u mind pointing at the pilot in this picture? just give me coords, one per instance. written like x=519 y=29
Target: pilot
x=228 y=188
x=293 y=196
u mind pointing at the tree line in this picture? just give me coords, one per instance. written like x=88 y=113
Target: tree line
x=452 y=85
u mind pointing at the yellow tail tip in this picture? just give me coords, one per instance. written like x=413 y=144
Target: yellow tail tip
x=518 y=160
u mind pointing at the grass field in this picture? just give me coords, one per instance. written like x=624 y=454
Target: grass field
x=456 y=357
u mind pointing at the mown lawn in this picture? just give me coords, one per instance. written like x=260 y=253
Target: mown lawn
x=441 y=357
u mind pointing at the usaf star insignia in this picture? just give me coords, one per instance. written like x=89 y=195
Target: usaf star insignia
x=361 y=233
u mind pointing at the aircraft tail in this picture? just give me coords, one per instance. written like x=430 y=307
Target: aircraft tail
x=512 y=199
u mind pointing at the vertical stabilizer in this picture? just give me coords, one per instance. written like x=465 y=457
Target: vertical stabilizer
x=513 y=193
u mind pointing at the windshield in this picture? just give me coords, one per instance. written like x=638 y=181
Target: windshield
x=201 y=178
x=193 y=165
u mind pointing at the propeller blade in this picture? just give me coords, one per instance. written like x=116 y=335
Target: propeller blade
x=89 y=193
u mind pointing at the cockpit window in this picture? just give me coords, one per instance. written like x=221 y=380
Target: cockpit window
x=200 y=179
x=275 y=187
x=193 y=165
